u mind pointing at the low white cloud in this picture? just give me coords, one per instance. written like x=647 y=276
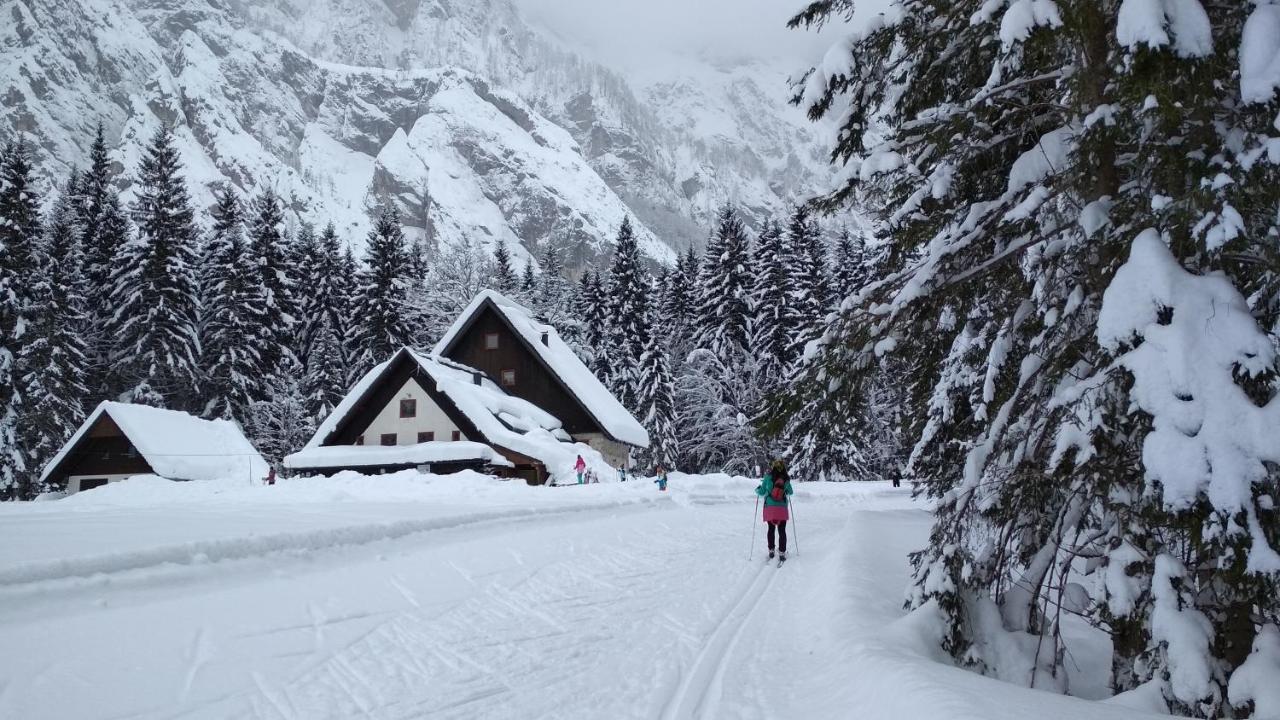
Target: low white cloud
x=630 y=33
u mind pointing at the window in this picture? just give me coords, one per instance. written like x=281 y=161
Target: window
x=508 y=378
x=388 y=438
x=457 y=435
x=491 y=341
x=91 y=483
x=426 y=437
x=408 y=408
x=360 y=440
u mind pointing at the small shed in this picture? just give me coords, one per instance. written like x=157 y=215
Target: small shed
x=120 y=440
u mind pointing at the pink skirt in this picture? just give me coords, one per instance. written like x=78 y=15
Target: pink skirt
x=776 y=513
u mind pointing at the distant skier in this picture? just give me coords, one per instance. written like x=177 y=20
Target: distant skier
x=661 y=480
x=775 y=488
x=580 y=467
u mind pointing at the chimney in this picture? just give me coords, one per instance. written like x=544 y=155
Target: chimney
x=545 y=338
x=475 y=377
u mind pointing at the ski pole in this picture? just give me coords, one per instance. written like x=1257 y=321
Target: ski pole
x=752 y=552
x=795 y=535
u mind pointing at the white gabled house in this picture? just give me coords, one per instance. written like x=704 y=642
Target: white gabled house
x=432 y=414
x=500 y=393
x=502 y=339
x=121 y=440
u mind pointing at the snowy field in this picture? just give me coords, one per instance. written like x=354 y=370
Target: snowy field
x=464 y=597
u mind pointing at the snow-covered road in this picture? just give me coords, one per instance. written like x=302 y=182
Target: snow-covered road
x=620 y=607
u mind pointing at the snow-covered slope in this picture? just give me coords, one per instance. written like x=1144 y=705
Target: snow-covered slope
x=471 y=162
x=479 y=126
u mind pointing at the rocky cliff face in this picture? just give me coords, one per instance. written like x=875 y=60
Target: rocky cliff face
x=476 y=126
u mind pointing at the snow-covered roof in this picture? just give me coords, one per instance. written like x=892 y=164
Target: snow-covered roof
x=355 y=456
x=560 y=359
x=176 y=445
x=504 y=421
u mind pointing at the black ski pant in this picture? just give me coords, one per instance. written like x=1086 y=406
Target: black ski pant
x=782 y=535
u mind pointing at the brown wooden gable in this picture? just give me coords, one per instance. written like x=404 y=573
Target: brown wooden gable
x=384 y=390
x=103 y=449
x=535 y=381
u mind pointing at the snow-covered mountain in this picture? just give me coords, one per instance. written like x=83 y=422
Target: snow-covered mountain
x=479 y=126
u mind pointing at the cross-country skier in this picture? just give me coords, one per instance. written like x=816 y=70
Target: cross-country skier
x=775 y=488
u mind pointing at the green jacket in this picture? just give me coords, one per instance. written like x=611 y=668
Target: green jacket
x=766 y=488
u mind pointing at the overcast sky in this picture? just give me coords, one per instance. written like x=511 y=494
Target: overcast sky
x=630 y=32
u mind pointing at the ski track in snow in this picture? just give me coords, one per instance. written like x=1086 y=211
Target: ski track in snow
x=643 y=611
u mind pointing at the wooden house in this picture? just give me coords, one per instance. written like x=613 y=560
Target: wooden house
x=528 y=359
x=121 y=440
x=501 y=393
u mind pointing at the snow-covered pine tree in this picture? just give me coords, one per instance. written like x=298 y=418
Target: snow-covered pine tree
x=725 y=289
x=232 y=303
x=774 y=305
x=112 y=234
x=528 y=281
x=805 y=259
x=657 y=404
x=328 y=298
x=504 y=276
x=1016 y=156
x=593 y=310
x=304 y=266
x=273 y=328
x=386 y=322
x=19 y=261
x=153 y=288
x=103 y=230
x=628 y=325
x=325 y=381
x=848 y=270
x=347 y=327
x=280 y=424
x=677 y=304
x=52 y=361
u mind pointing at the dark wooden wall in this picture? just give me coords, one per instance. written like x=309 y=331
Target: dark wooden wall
x=533 y=381
x=104 y=450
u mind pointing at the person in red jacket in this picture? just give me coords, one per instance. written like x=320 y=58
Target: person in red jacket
x=580 y=467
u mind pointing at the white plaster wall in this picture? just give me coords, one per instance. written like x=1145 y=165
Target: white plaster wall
x=615 y=453
x=73 y=481
x=430 y=419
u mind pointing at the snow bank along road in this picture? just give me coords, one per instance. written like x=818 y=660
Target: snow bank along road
x=595 y=602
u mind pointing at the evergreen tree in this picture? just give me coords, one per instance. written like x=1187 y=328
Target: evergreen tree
x=52 y=361
x=593 y=310
x=153 y=288
x=325 y=381
x=628 y=324
x=504 y=277
x=809 y=287
x=724 y=290
x=329 y=297
x=280 y=424
x=20 y=231
x=774 y=304
x=528 y=281
x=1041 y=199
x=112 y=234
x=274 y=326
x=849 y=272
x=657 y=404
x=233 y=302
x=678 y=304
x=386 y=324
x=304 y=264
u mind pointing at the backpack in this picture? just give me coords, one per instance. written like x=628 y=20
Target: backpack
x=778 y=492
